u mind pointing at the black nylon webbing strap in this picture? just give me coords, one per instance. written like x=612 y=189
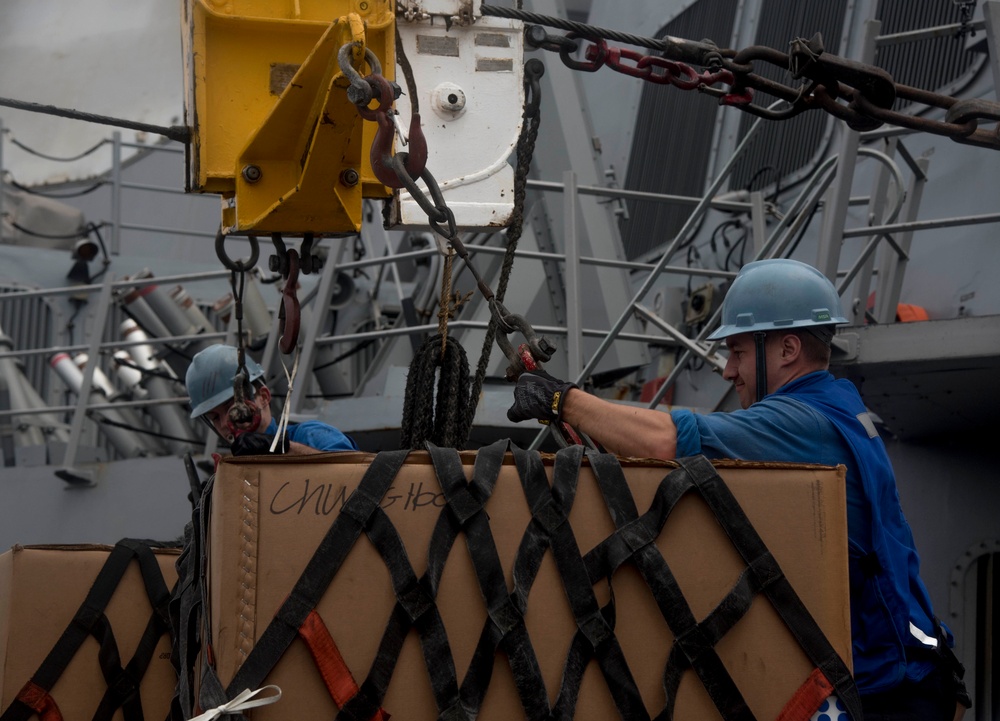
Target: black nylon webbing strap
x=319 y=572
x=634 y=541
x=549 y=512
x=123 y=683
x=773 y=582
x=505 y=624
x=415 y=608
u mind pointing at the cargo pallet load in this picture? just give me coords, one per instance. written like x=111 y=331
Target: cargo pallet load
x=510 y=584
x=485 y=585
x=85 y=633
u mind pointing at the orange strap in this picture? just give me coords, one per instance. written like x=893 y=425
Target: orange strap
x=807 y=699
x=40 y=701
x=337 y=677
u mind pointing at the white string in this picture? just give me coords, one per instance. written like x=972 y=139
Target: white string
x=279 y=436
x=240 y=703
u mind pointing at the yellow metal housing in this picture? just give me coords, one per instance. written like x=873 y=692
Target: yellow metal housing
x=273 y=131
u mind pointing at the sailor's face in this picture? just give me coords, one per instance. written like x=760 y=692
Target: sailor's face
x=741 y=368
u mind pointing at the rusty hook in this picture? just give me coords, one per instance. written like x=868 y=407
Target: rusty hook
x=289 y=314
x=414 y=161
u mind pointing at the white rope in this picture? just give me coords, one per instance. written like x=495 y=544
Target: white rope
x=242 y=702
x=279 y=435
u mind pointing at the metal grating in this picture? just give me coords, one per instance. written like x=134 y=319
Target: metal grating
x=783 y=147
x=28 y=323
x=939 y=64
x=673 y=138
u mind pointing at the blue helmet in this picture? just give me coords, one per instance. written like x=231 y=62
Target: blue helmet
x=210 y=377
x=778 y=294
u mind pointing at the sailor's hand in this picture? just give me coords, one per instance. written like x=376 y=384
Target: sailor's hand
x=538 y=395
x=256 y=444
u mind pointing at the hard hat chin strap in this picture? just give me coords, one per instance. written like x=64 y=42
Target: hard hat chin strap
x=758 y=340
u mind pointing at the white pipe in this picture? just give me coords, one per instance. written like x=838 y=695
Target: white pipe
x=171 y=419
x=125 y=441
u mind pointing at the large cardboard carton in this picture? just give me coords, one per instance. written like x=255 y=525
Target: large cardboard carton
x=268 y=517
x=41 y=590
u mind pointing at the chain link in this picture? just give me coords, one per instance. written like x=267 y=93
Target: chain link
x=862 y=95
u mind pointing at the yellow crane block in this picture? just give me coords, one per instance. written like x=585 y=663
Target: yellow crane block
x=273 y=131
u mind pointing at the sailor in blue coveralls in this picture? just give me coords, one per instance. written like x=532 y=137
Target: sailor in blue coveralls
x=778 y=320
x=209 y=382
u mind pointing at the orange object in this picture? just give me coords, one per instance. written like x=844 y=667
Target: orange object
x=808 y=698
x=907 y=313
x=337 y=677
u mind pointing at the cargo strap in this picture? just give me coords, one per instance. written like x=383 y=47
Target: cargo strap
x=192 y=633
x=505 y=625
x=595 y=636
x=296 y=618
x=187 y=606
x=694 y=644
x=123 y=681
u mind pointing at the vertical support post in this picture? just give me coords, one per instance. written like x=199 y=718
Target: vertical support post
x=1 y=180
x=892 y=267
x=876 y=215
x=991 y=14
x=835 y=215
x=100 y=317
x=758 y=221
x=116 y=192
x=574 y=327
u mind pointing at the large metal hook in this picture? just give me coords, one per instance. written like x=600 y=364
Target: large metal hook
x=289 y=313
x=414 y=161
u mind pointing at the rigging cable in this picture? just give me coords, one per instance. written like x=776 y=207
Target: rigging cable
x=180 y=133
x=54 y=158
x=582 y=29
x=55 y=196
x=533 y=71
x=143 y=431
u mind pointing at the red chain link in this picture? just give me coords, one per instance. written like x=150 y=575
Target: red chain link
x=661 y=71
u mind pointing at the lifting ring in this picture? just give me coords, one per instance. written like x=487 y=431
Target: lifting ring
x=236 y=266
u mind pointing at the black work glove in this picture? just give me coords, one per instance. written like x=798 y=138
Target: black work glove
x=538 y=395
x=256 y=444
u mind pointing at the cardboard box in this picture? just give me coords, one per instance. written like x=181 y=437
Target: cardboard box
x=41 y=590
x=269 y=516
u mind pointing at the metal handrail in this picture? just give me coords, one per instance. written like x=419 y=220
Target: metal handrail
x=776 y=243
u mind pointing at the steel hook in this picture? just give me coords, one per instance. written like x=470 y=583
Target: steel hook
x=414 y=161
x=289 y=313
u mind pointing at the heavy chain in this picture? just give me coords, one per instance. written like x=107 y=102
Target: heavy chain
x=651 y=68
x=862 y=95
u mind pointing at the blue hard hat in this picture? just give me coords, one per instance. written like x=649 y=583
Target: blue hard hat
x=778 y=294
x=210 y=377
